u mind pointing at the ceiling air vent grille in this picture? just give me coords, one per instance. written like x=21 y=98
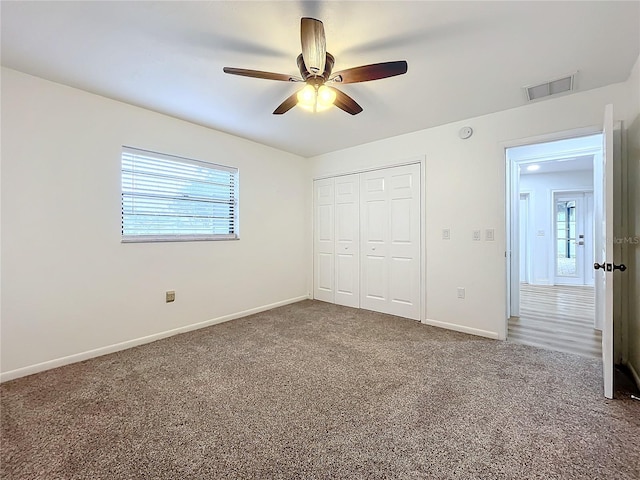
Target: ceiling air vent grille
x=552 y=87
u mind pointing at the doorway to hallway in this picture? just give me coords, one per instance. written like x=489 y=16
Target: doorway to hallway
x=552 y=245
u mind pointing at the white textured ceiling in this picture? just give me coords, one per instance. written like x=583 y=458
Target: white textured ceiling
x=465 y=58
x=575 y=164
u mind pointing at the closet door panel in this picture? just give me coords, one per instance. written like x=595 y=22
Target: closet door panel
x=374 y=229
x=347 y=245
x=390 y=229
x=324 y=241
x=404 y=248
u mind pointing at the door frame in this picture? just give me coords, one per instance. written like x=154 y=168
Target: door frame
x=422 y=161
x=529 y=199
x=512 y=197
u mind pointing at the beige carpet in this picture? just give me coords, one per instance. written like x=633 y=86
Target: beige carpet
x=313 y=390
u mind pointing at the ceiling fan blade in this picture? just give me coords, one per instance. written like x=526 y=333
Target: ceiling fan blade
x=258 y=74
x=366 y=73
x=346 y=103
x=314 y=45
x=287 y=105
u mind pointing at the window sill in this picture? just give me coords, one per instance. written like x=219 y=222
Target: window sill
x=177 y=238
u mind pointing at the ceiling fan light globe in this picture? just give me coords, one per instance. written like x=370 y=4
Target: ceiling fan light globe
x=307 y=96
x=326 y=97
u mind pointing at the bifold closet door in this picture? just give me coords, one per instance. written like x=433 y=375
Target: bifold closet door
x=323 y=240
x=347 y=244
x=390 y=241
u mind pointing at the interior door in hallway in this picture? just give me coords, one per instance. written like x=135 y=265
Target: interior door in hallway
x=347 y=244
x=390 y=246
x=573 y=245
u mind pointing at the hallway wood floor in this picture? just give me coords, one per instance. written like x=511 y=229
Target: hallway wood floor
x=557 y=318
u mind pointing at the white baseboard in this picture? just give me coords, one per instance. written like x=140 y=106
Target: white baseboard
x=79 y=357
x=462 y=328
x=634 y=373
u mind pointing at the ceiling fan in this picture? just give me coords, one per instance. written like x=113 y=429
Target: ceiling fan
x=315 y=65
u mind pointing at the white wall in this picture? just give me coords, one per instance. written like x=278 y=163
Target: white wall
x=465 y=190
x=70 y=286
x=541 y=186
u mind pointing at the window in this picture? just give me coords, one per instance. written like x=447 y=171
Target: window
x=167 y=198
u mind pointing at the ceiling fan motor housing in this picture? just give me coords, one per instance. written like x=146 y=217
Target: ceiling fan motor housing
x=307 y=75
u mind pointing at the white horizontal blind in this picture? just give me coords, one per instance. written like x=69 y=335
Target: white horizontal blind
x=168 y=198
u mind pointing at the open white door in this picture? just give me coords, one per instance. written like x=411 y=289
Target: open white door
x=603 y=242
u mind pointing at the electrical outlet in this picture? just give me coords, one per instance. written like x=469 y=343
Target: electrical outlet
x=489 y=234
x=476 y=235
x=170 y=296
x=446 y=234
x=461 y=292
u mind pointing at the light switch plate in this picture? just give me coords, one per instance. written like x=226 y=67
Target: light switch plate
x=446 y=234
x=489 y=234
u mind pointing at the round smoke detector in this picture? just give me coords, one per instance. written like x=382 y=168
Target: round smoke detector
x=465 y=132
